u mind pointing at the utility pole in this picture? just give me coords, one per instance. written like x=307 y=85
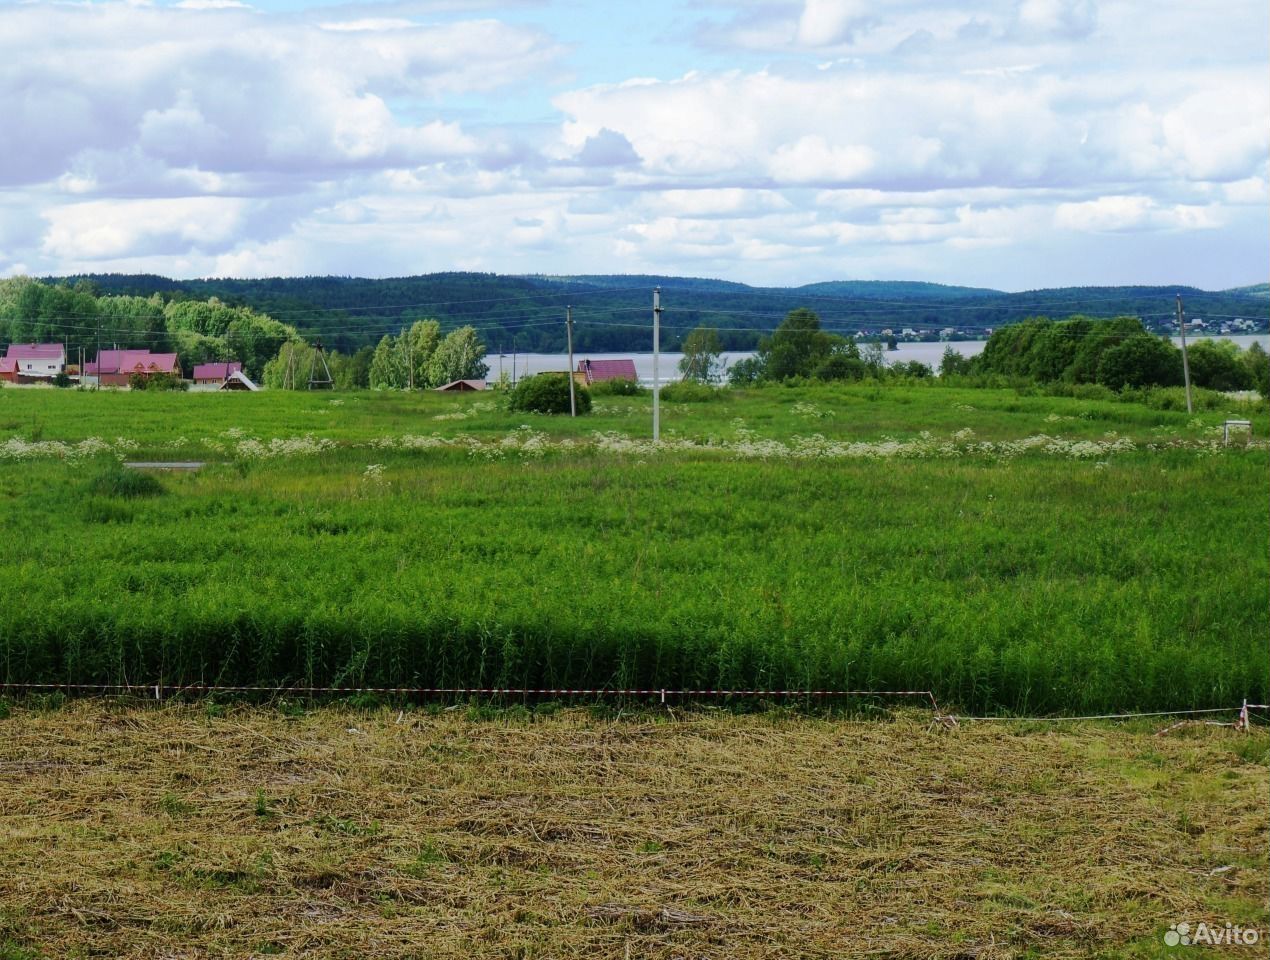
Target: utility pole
x=1186 y=363
x=410 y=359
x=568 y=327
x=513 y=362
x=656 y=360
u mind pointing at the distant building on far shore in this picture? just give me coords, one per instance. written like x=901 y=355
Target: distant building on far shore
x=597 y=371
x=461 y=386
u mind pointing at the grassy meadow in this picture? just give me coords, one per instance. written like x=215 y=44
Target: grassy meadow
x=1011 y=551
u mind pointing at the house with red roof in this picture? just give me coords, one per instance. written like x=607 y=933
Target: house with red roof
x=112 y=368
x=33 y=362
x=597 y=371
x=216 y=373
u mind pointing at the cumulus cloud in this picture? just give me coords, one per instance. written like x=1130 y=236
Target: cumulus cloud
x=1115 y=214
x=102 y=229
x=816 y=138
x=222 y=87
x=1069 y=19
x=901 y=131
x=607 y=149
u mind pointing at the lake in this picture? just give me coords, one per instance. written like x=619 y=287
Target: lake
x=927 y=353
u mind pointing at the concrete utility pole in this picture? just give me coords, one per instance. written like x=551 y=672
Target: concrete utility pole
x=568 y=327
x=656 y=359
x=1186 y=363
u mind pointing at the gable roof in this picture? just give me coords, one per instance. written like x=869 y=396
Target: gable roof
x=215 y=371
x=131 y=361
x=8 y=365
x=597 y=370
x=237 y=380
x=35 y=351
x=462 y=385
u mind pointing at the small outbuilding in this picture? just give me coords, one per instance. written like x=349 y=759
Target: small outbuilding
x=461 y=386
x=237 y=380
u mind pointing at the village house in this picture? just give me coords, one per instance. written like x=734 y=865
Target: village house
x=215 y=373
x=597 y=371
x=33 y=362
x=112 y=368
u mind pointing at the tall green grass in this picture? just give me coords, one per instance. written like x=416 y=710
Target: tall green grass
x=1034 y=585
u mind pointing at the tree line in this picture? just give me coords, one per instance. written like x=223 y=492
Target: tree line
x=203 y=331
x=1118 y=354
x=526 y=313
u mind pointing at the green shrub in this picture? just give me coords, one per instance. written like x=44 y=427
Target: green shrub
x=157 y=382
x=690 y=391
x=618 y=387
x=128 y=484
x=547 y=393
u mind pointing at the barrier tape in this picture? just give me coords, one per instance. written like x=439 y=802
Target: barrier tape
x=1109 y=716
x=159 y=690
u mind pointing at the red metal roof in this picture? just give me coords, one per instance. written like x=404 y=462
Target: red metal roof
x=8 y=364
x=131 y=361
x=34 y=351
x=216 y=371
x=598 y=370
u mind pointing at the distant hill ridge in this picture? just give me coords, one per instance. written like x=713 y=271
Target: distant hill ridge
x=613 y=311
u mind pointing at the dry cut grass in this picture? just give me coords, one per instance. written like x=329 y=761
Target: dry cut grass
x=131 y=831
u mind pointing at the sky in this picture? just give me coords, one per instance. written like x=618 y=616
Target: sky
x=1014 y=144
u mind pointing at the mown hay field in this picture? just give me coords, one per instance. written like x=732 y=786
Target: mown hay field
x=206 y=831
x=1010 y=552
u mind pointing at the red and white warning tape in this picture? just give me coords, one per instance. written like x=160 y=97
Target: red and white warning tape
x=160 y=690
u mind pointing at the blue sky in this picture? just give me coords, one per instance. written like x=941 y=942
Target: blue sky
x=1008 y=143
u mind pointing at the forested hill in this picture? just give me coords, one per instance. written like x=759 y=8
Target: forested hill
x=613 y=312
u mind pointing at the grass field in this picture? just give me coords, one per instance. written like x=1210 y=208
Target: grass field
x=137 y=832
x=1011 y=552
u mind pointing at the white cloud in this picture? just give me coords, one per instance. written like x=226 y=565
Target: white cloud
x=101 y=229
x=1113 y=214
x=230 y=89
x=812 y=159
x=827 y=22
x=819 y=138
x=1063 y=18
